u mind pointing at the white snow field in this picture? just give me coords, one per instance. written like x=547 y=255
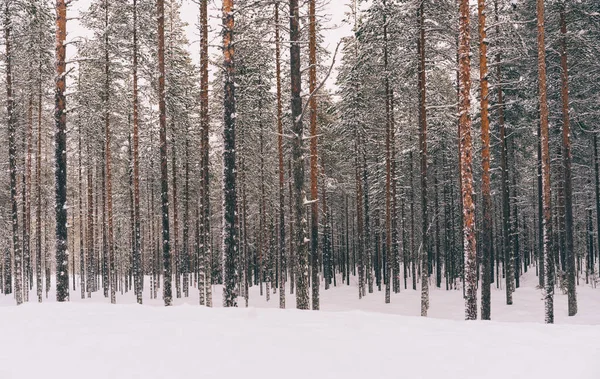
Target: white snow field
x=348 y=339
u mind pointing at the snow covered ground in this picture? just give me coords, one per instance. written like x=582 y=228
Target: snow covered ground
x=347 y=339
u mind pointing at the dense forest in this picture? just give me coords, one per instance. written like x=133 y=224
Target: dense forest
x=446 y=144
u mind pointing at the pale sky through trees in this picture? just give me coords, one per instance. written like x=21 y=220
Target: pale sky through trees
x=333 y=12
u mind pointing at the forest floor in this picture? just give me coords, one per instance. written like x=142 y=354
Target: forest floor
x=349 y=338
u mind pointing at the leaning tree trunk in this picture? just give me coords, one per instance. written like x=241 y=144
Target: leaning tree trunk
x=546 y=195
x=466 y=163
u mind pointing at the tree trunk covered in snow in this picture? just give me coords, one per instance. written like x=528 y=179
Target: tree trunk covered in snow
x=38 y=188
x=108 y=164
x=60 y=146
x=466 y=163
x=314 y=158
x=506 y=233
x=138 y=270
x=281 y=209
x=567 y=157
x=12 y=158
x=164 y=172
x=204 y=275
x=302 y=299
x=486 y=195
x=423 y=154
x=230 y=245
x=546 y=195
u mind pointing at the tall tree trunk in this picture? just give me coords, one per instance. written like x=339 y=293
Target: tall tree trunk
x=230 y=245
x=38 y=187
x=138 y=271
x=82 y=234
x=26 y=191
x=12 y=158
x=566 y=155
x=60 y=118
x=204 y=285
x=302 y=299
x=546 y=198
x=164 y=172
x=185 y=269
x=108 y=164
x=281 y=166
x=506 y=232
x=466 y=163
x=485 y=164
x=314 y=158
x=423 y=153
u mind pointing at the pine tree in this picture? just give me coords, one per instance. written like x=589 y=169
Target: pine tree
x=487 y=206
x=466 y=159
x=230 y=243
x=302 y=300
x=164 y=172
x=566 y=157
x=548 y=251
x=60 y=141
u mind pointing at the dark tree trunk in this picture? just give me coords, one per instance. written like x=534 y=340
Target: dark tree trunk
x=485 y=163
x=164 y=172
x=60 y=136
x=423 y=153
x=566 y=155
x=282 y=264
x=230 y=245
x=302 y=299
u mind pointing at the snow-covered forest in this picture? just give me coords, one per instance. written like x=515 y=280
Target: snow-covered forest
x=441 y=160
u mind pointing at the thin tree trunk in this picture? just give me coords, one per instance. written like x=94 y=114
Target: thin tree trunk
x=281 y=167
x=204 y=285
x=138 y=271
x=82 y=270
x=597 y=175
x=26 y=191
x=566 y=155
x=506 y=232
x=423 y=154
x=38 y=185
x=108 y=163
x=12 y=157
x=314 y=169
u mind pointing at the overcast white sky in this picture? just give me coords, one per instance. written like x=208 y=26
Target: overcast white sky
x=333 y=12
